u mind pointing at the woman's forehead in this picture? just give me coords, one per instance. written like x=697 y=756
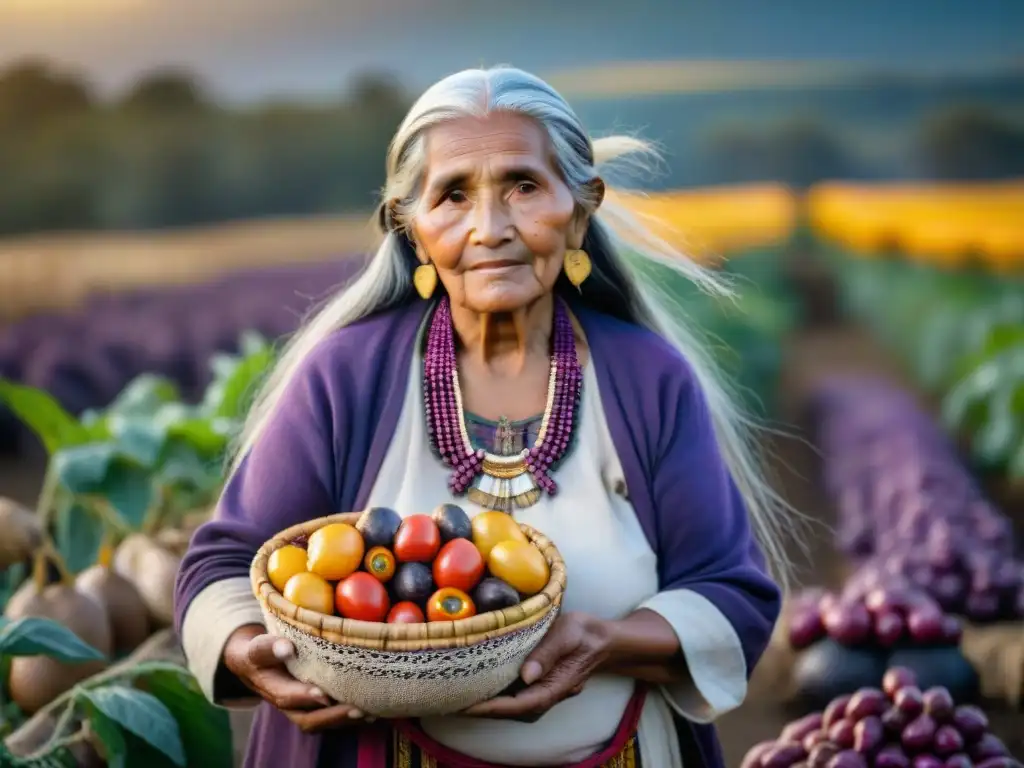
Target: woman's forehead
x=468 y=141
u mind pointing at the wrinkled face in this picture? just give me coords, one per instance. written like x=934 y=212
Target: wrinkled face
x=495 y=218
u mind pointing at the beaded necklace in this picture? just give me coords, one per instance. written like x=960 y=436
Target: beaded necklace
x=499 y=482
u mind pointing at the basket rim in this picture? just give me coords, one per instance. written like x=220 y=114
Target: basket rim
x=438 y=635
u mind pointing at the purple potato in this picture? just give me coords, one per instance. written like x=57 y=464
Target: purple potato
x=948 y=741
x=889 y=628
x=783 y=755
x=798 y=729
x=949 y=590
x=928 y=761
x=866 y=702
x=847 y=623
x=938 y=703
x=971 y=722
x=987 y=746
x=841 y=733
x=753 y=757
x=895 y=720
x=952 y=630
x=896 y=678
x=835 y=711
x=811 y=740
x=924 y=625
x=959 y=760
x=805 y=627
x=909 y=700
x=918 y=734
x=821 y=754
x=1004 y=761
x=848 y=759
x=868 y=735
x=891 y=756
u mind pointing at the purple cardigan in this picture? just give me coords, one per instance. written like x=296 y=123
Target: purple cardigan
x=324 y=447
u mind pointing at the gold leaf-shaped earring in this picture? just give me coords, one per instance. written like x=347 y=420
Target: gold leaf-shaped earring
x=576 y=265
x=424 y=278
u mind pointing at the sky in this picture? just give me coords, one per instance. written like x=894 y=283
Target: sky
x=253 y=49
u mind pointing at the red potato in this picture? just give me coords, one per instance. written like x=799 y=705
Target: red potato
x=892 y=756
x=753 y=757
x=896 y=678
x=783 y=755
x=947 y=741
x=821 y=755
x=848 y=623
x=918 y=735
x=939 y=704
x=848 y=759
x=866 y=702
x=868 y=735
x=841 y=733
x=835 y=711
x=971 y=722
x=800 y=729
x=909 y=700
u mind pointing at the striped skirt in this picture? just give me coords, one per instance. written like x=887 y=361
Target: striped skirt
x=410 y=747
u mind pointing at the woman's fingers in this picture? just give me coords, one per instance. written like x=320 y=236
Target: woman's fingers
x=269 y=651
x=337 y=716
x=285 y=692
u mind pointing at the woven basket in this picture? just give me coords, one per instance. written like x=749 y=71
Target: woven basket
x=408 y=670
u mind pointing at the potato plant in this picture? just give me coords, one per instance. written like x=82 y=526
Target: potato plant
x=89 y=575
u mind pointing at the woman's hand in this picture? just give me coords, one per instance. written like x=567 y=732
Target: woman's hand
x=257 y=659
x=557 y=669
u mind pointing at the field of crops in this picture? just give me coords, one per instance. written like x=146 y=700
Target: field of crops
x=134 y=394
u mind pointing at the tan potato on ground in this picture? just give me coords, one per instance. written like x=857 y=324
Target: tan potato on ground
x=152 y=569
x=129 y=617
x=35 y=681
x=20 y=533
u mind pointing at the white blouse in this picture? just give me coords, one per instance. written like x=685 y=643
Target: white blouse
x=611 y=572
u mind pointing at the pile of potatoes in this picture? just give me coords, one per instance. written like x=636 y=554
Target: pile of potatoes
x=113 y=606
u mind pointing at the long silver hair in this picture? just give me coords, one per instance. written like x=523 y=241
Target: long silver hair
x=621 y=247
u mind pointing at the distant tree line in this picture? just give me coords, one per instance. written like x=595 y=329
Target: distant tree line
x=165 y=153
x=963 y=143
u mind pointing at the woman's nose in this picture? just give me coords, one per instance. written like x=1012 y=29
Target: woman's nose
x=491 y=224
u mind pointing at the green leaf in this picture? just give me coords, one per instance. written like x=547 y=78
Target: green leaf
x=112 y=743
x=138 y=438
x=144 y=395
x=142 y=714
x=83 y=467
x=181 y=465
x=129 y=489
x=205 y=729
x=252 y=343
x=201 y=435
x=997 y=437
x=241 y=385
x=78 y=533
x=41 y=412
x=33 y=636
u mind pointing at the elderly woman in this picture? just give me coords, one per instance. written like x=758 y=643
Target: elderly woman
x=505 y=322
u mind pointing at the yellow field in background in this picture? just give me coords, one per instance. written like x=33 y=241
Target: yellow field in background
x=947 y=225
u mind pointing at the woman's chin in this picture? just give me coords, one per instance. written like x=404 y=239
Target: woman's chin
x=502 y=297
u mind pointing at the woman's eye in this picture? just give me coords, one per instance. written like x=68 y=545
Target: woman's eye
x=526 y=187
x=454 y=196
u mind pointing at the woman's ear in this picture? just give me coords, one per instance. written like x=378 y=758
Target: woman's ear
x=598 y=190
x=581 y=220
